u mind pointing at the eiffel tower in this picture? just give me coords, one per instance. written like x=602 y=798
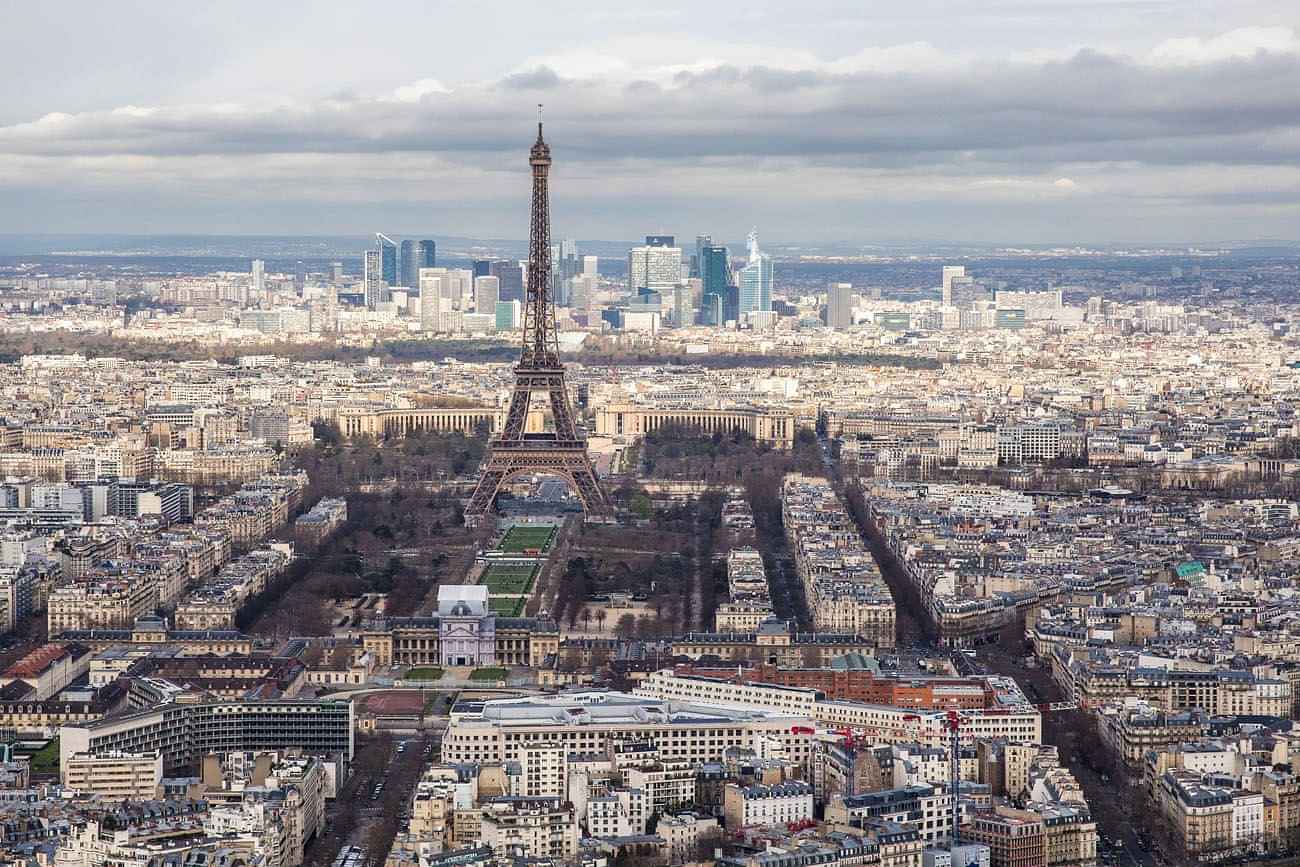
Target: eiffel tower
x=560 y=452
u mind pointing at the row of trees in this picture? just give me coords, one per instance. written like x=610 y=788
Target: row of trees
x=406 y=350
x=666 y=580
x=400 y=544
x=598 y=350
x=375 y=761
x=336 y=466
x=912 y=622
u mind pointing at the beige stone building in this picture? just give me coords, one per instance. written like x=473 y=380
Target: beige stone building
x=529 y=827
x=115 y=775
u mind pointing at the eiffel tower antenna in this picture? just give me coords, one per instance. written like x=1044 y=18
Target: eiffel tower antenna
x=561 y=452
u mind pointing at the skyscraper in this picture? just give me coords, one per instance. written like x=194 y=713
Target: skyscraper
x=416 y=255
x=336 y=273
x=426 y=252
x=487 y=292
x=755 y=280
x=372 y=277
x=697 y=261
x=711 y=310
x=567 y=266
x=653 y=267
x=406 y=266
x=590 y=266
x=949 y=272
x=257 y=280
x=839 y=305
x=510 y=275
x=438 y=301
x=683 y=312
x=584 y=291
x=482 y=267
x=715 y=271
x=730 y=304
x=509 y=314
x=387 y=258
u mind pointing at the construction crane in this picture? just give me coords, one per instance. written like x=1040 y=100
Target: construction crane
x=954 y=774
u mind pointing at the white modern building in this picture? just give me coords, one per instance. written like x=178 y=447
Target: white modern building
x=588 y=722
x=755 y=280
x=655 y=268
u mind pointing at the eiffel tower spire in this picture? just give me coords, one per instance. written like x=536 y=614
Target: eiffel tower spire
x=541 y=345
x=560 y=451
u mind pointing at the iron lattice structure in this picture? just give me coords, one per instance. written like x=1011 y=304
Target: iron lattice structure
x=561 y=451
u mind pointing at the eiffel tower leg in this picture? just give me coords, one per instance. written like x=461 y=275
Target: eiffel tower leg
x=564 y=427
x=584 y=482
x=485 y=494
x=516 y=414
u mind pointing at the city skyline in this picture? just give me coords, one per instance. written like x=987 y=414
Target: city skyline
x=909 y=478
x=1152 y=122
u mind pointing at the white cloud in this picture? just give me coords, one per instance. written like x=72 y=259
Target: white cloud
x=417 y=90
x=911 y=57
x=1240 y=44
x=135 y=111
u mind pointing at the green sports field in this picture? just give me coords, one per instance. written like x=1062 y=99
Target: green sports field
x=509 y=579
x=507 y=606
x=520 y=538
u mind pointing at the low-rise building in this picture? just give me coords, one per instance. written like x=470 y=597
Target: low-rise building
x=783 y=803
x=133 y=776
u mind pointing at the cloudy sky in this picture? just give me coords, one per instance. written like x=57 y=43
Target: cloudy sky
x=997 y=121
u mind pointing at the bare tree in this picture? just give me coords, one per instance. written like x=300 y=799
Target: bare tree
x=647 y=627
x=625 y=628
x=341 y=657
x=571 y=661
x=312 y=655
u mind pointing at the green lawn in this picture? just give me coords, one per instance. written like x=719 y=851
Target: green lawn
x=46 y=759
x=509 y=579
x=507 y=606
x=424 y=672
x=488 y=674
x=521 y=538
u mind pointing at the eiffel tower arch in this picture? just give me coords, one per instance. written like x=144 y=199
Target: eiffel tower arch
x=561 y=451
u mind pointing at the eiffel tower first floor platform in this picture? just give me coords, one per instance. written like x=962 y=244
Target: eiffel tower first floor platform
x=566 y=459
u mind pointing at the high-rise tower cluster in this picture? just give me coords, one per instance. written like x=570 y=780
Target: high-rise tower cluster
x=384 y=270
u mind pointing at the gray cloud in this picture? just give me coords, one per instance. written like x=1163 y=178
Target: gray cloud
x=1207 y=121
x=1089 y=106
x=541 y=78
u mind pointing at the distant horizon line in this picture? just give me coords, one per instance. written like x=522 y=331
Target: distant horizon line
x=683 y=240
